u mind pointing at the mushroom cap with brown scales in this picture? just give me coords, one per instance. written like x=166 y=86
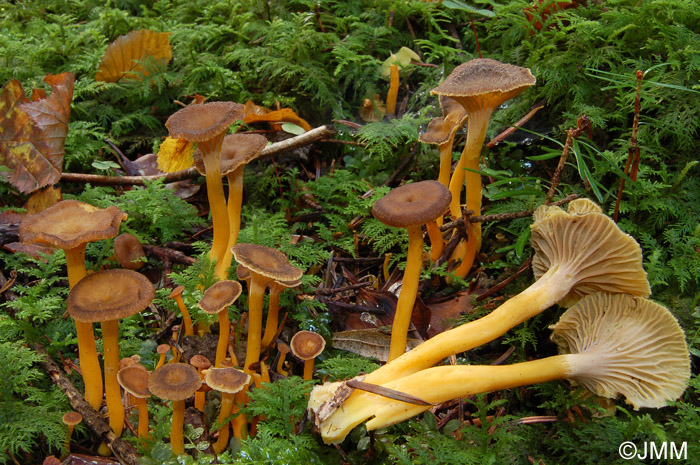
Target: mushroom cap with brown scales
x=134 y=380
x=72 y=418
x=243 y=273
x=163 y=349
x=412 y=204
x=484 y=82
x=129 y=251
x=69 y=223
x=266 y=261
x=589 y=243
x=634 y=347
x=201 y=122
x=174 y=381
x=306 y=345
x=109 y=295
x=200 y=362
x=228 y=380
x=236 y=150
x=219 y=296
x=442 y=128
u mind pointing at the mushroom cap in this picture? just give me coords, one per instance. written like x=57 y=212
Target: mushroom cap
x=236 y=150
x=283 y=347
x=484 y=82
x=128 y=251
x=69 y=223
x=134 y=380
x=176 y=292
x=174 y=381
x=599 y=256
x=228 y=380
x=282 y=285
x=266 y=261
x=163 y=349
x=441 y=129
x=72 y=418
x=200 y=361
x=306 y=345
x=219 y=296
x=632 y=347
x=412 y=204
x=109 y=295
x=201 y=122
x=243 y=273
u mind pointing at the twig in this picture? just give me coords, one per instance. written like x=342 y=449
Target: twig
x=583 y=124
x=401 y=167
x=125 y=452
x=326 y=291
x=386 y=392
x=506 y=281
x=170 y=254
x=502 y=136
x=476 y=36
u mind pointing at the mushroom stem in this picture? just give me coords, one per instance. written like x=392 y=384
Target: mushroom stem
x=393 y=93
x=113 y=396
x=224 y=329
x=437 y=245
x=143 y=416
x=407 y=297
x=239 y=422
x=177 y=441
x=255 y=309
x=272 y=315
x=308 y=369
x=225 y=412
x=446 y=161
x=189 y=328
x=235 y=201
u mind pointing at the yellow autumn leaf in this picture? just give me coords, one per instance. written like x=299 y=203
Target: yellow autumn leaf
x=175 y=155
x=124 y=57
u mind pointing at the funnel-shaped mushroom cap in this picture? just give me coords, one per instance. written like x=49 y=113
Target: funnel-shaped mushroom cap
x=174 y=381
x=484 y=82
x=441 y=129
x=236 y=150
x=109 y=295
x=597 y=254
x=632 y=347
x=129 y=251
x=72 y=418
x=134 y=380
x=219 y=296
x=412 y=204
x=201 y=122
x=228 y=380
x=243 y=273
x=70 y=223
x=266 y=261
x=200 y=361
x=306 y=345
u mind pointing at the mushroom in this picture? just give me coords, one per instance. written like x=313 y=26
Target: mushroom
x=134 y=380
x=186 y=318
x=410 y=206
x=206 y=124
x=264 y=264
x=237 y=150
x=162 y=350
x=228 y=381
x=175 y=382
x=70 y=225
x=576 y=253
x=71 y=420
x=480 y=86
x=283 y=349
x=106 y=296
x=201 y=363
x=128 y=251
x=306 y=346
x=216 y=300
x=390 y=69
x=611 y=344
x=273 y=309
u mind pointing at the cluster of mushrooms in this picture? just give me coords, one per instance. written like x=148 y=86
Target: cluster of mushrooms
x=612 y=339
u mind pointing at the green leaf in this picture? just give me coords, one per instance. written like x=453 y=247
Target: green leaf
x=458 y=5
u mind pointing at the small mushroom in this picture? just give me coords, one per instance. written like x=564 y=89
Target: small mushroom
x=134 y=380
x=228 y=381
x=186 y=318
x=273 y=309
x=201 y=363
x=306 y=346
x=175 y=382
x=162 y=351
x=71 y=420
x=283 y=349
x=128 y=251
x=216 y=300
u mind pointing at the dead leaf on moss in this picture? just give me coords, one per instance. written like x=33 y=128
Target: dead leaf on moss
x=123 y=57
x=43 y=199
x=175 y=155
x=372 y=343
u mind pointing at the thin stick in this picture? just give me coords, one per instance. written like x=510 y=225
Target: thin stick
x=505 y=134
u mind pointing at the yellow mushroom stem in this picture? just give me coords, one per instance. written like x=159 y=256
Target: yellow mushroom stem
x=272 y=314
x=200 y=397
x=224 y=329
x=407 y=297
x=161 y=361
x=280 y=364
x=189 y=328
x=258 y=283
x=235 y=201
x=225 y=412
x=393 y=89
x=113 y=395
x=385 y=266
x=239 y=422
x=140 y=403
x=87 y=351
x=177 y=441
x=264 y=373
x=437 y=245
x=308 y=369
x=211 y=155
x=466 y=250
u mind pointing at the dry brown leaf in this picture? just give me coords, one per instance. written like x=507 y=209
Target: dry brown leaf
x=123 y=56
x=445 y=314
x=369 y=343
x=43 y=199
x=257 y=114
x=175 y=155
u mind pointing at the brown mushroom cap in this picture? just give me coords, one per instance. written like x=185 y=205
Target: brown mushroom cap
x=633 y=347
x=200 y=362
x=201 y=122
x=243 y=273
x=174 y=381
x=306 y=345
x=597 y=252
x=412 y=204
x=442 y=128
x=236 y=150
x=129 y=251
x=228 y=380
x=176 y=292
x=219 y=296
x=163 y=349
x=69 y=223
x=283 y=347
x=484 y=82
x=134 y=380
x=72 y=418
x=109 y=295
x=266 y=261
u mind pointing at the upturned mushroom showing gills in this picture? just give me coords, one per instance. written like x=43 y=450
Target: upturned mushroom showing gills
x=264 y=264
x=107 y=296
x=206 y=125
x=613 y=345
x=216 y=300
x=228 y=381
x=175 y=382
x=70 y=225
x=480 y=86
x=576 y=253
x=410 y=206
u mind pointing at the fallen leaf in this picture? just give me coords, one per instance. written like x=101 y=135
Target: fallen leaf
x=123 y=57
x=43 y=199
x=371 y=343
x=33 y=250
x=445 y=313
x=257 y=114
x=175 y=155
